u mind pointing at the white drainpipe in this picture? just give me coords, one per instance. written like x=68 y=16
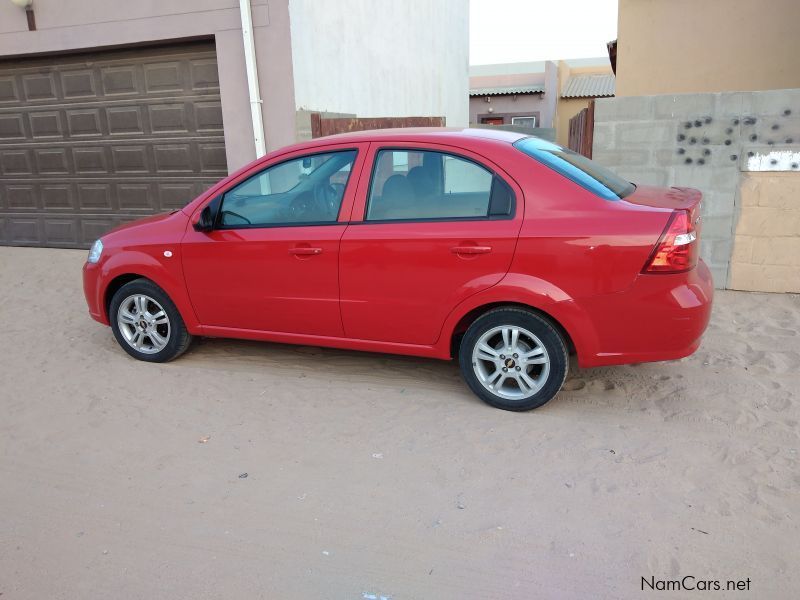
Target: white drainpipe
x=252 y=77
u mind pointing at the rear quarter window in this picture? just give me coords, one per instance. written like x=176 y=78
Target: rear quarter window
x=577 y=168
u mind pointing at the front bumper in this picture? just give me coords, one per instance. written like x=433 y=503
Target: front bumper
x=93 y=293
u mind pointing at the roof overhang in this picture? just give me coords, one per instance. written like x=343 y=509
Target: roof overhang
x=508 y=90
x=589 y=85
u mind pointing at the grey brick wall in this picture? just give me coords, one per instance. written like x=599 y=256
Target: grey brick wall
x=697 y=140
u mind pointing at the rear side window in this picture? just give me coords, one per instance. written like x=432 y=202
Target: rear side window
x=422 y=185
x=576 y=167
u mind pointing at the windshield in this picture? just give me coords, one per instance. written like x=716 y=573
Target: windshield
x=577 y=168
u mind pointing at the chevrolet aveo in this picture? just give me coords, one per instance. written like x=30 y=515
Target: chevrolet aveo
x=506 y=252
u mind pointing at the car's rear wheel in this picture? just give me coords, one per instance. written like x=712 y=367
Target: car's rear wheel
x=513 y=359
x=147 y=323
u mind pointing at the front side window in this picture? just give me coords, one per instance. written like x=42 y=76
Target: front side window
x=419 y=185
x=308 y=189
x=576 y=167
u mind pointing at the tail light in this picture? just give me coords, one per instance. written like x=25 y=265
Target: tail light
x=678 y=248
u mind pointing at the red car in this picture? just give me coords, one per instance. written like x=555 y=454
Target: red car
x=504 y=251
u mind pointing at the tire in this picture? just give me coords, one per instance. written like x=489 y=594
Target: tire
x=535 y=359
x=147 y=323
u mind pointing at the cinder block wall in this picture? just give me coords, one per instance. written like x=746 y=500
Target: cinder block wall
x=703 y=141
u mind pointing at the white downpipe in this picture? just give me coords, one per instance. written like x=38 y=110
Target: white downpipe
x=252 y=77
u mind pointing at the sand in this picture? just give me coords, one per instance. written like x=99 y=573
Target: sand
x=374 y=475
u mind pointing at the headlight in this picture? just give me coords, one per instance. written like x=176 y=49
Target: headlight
x=95 y=252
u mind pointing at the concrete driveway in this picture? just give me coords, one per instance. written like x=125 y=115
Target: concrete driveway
x=247 y=470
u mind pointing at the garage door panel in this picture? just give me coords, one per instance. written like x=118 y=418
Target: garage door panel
x=170 y=118
x=91 y=160
x=119 y=81
x=21 y=197
x=45 y=124
x=57 y=197
x=135 y=197
x=204 y=74
x=125 y=120
x=8 y=90
x=131 y=159
x=78 y=84
x=39 y=86
x=85 y=122
x=164 y=77
x=16 y=162
x=23 y=230
x=208 y=117
x=90 y=141
x=60 y=232
x=93 y=228
x=175 y=195
x=52 y=161
x=12 y=127
x=212 y=157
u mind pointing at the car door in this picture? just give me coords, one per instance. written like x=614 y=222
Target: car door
x=271 y=261
x=432 y=225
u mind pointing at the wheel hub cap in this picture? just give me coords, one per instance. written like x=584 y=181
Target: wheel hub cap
x=511 y=362
x=143 y=324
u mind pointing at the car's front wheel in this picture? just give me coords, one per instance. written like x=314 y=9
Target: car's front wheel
x=147 y=323
x=513 y=359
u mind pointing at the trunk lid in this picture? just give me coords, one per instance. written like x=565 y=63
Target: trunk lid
x=674 y=198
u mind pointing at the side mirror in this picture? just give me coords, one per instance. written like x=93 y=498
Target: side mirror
x=206 y=220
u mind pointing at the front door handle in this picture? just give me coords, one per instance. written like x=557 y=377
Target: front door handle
x=471 y=249
x=305 y=251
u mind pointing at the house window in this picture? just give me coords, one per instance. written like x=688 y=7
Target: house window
x=524 y=121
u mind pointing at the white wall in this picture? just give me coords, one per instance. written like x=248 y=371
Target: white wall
x=382 y=59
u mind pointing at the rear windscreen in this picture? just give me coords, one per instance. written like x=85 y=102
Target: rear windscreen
x=577 y=168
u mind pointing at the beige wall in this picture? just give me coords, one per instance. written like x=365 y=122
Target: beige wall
x=683 y=46
x=766 y=250
x=567 y=108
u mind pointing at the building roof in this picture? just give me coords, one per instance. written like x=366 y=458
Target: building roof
x=519 y=68
x=536 y=88
x=590 y=85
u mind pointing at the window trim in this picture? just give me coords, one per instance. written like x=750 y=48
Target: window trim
x=218 y=213
x=366 y=221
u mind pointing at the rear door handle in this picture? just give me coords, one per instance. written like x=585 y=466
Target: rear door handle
x=471 y=249
x=305 y=251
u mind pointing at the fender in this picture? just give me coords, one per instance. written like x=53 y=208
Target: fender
x=165 y=272
x=519 y=288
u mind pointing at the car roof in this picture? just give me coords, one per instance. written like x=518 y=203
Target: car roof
x=443 y=135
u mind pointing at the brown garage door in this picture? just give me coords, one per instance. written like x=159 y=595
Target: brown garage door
x=88 y=141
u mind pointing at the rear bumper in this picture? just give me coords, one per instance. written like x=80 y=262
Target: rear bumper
x=660 y=317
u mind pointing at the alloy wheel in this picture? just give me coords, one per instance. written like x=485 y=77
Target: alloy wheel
x=511 y=362
x=143 y=323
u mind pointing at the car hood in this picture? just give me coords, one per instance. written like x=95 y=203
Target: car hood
x=146 y=223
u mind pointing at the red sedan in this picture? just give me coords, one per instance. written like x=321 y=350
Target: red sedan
x=504 y=251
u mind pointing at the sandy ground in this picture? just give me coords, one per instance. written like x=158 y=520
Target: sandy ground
x=372 y=475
